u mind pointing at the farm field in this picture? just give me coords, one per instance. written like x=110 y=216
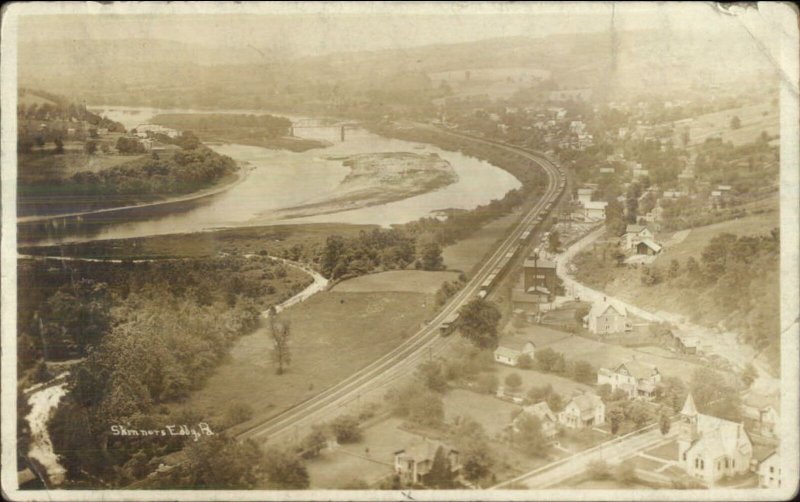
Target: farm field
x=411 y=281
x=333 y=335
x=754 y=120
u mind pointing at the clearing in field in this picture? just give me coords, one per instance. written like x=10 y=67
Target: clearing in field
x=332 y=335
x=409 y=281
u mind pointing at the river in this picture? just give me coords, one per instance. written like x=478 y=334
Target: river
x=280 y=179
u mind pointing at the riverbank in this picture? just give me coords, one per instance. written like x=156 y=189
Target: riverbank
x=264 y=130
x=379 y=178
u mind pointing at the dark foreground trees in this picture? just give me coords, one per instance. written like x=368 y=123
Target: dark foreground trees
x=478 y=322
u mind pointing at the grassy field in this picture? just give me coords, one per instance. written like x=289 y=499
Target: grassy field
x=492 y=413
x=410 y=281
x=466 y=254
x=754 y=120
x=333 y=335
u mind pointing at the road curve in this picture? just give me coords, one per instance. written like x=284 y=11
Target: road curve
x=423 y=344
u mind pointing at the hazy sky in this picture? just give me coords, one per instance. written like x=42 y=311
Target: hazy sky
x=323 y=28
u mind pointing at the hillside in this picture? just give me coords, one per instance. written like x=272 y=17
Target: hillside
x=722 y=275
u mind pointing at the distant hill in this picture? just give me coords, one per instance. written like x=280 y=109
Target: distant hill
x=166 y=73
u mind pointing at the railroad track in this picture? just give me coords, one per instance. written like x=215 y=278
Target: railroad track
x=427 y=341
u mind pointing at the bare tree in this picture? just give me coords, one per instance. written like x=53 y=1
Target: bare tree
x=280 y=330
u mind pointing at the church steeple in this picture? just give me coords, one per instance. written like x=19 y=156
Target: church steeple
x=689 y=409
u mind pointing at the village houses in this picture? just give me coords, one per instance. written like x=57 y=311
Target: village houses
x=582 y=411
x=637 y=379
x=414 y=462
x=711 y=448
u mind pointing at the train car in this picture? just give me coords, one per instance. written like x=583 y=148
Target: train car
x=525 y=235
x=485 y=285
x=449 y=324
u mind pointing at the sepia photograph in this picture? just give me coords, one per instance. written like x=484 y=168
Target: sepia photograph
x=400 y=251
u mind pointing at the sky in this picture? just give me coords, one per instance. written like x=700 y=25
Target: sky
x=314 y=28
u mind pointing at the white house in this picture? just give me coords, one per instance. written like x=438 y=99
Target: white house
x=594 y=210
x=769 y=471
x=585 y=195
x=585 y=410
x=545 y=415
x=511 y=349
x=711 y=448
x=415 y=461
x=634 y=234
x=607 y=317
x=635 y=378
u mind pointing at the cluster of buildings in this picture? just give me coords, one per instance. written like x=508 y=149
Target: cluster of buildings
x=583 y=411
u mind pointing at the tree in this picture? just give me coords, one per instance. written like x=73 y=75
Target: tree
x=736 y=122
x=417 y=403
x=127 y=145
x=714 y=395
x=487 y=383
x=238 y=413
x=529 y=436
x=513 y=382
x=632 y=201
x=90 y=147
x=441 y=473
x=59 y=146
x=549 y=360
x=554 y=241
x=615 y=418
x=280 y=331
x=473 y=445
x=346 y=429
x=430 y=256
x=615 y=217
x=674 y=269
x=285 y=471
x=525 y=362
x=583 y=372
x=313 y=444
x=221 y=462
x=555 y=402
x=664 y=423
x=430 y=373
x=478 y=321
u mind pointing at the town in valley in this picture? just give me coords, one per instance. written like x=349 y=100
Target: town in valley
x=514 y=256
